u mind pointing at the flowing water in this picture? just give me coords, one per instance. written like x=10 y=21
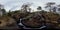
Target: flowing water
x=30 y=28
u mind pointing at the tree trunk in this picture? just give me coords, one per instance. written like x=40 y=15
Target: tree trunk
x=50 y=9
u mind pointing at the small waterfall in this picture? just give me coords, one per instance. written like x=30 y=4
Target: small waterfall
x=21 y=23
x=30 y=28
x=42 y=27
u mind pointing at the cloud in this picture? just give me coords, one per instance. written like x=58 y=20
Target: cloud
x=13 y=3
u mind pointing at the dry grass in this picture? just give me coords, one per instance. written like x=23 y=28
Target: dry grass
x=6 y=21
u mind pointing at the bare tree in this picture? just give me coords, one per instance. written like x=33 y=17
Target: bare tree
x=49 y=4
x=26 y=7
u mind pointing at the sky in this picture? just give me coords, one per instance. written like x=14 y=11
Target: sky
x=16 y=4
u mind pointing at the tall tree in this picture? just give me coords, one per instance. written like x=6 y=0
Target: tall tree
x=39 y=8
x=2 y=10
x=49 y=4
x=25 y=7
x=59 y=7
x=54 y=9
x=1 y=6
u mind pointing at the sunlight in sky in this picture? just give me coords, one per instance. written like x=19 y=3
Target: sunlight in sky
x=16 y=4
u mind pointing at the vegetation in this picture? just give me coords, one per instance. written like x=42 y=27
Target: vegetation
x=34 y=19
